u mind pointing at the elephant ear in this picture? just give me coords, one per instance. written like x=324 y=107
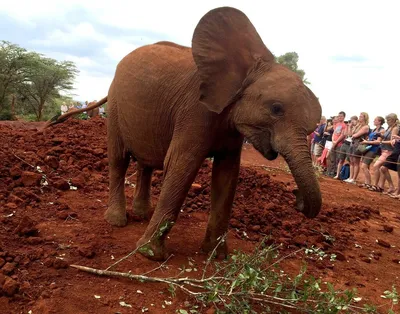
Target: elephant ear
x=225 y=46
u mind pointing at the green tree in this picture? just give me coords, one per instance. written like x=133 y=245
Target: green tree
x=14 y=66
x=46 y=80
x=37 y=81
x=290 y=60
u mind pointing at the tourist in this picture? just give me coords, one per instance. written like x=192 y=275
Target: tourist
x=386 y=150
x=359 y=133
x=373 y=145
x=337 y=141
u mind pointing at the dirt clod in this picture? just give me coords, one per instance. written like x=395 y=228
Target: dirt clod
x=61 y=184
x=29 y=178
x=388 y=228
x=10 y=286
x=59 y=263
x=340 y=256
x=86 y=252
x=26 y=227
x=8 y=268
x=383 y=243
x=366 y=260
x=52 y=161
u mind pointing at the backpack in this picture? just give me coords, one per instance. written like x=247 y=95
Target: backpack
x=344 y=172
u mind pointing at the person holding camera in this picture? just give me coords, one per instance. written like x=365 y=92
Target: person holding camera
x=386 y=150
x=358 y=133
x=372 y=150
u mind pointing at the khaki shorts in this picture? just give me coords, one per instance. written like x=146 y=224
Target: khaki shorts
x=318 y=148
x=369 y=157
x=343 y=151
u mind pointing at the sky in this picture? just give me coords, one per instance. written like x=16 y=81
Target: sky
x=348 y=49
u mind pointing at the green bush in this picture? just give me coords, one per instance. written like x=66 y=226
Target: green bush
x=6 y=115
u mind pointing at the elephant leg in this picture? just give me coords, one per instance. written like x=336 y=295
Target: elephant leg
x=180 y=169
x=141 y=201
x=118 y=164
x=225 y=175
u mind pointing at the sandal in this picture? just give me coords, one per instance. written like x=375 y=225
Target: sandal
x=389 y=192
x=395 y=196
x=365 y=186
x=375 y=188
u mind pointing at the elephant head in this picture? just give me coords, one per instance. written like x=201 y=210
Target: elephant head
x=266 y=102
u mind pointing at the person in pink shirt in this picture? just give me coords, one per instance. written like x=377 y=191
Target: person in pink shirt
x=337 y=141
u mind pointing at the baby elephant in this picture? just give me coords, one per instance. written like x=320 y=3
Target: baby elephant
x=170 y=107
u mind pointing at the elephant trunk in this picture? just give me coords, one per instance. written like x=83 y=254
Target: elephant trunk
x=308 y=195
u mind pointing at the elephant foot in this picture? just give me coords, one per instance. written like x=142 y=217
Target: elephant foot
x=115 y=217
x=152 y=250
x=220 y=249
x=141 y=212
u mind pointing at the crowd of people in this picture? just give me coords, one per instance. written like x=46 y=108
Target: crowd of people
x=342 y=148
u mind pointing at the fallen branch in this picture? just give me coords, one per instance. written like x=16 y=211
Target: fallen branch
x=185 y=280
x=246 y=280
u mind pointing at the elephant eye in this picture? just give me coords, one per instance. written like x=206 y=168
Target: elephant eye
x=277 y=109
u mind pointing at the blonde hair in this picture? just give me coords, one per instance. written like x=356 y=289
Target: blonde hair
x=392 y=116
x=354 y=118
x=366 y=117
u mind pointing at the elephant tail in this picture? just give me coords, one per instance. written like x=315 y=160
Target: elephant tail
x=61 y=118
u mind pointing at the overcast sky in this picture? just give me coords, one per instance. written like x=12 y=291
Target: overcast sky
x=349 y=49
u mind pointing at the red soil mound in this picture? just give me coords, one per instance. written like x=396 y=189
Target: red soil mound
x=53 y=193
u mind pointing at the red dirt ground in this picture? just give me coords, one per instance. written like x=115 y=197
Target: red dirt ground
x=43 y=228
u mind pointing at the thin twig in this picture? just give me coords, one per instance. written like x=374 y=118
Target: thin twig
x=158 y=267
x=24 y=161
x=138 y=248
x=272 y=302
x=282 y=258
x=131 y=175
x=222 y=239
x=127 y=256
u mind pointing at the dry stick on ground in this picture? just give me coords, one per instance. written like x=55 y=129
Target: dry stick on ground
x=185 y=280
x=24 y=161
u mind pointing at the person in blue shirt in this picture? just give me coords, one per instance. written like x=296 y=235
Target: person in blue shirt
x=373 y=151
x=318 y=139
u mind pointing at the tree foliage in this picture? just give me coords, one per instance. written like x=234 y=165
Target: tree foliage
x=290 y=60
x=35 y=80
